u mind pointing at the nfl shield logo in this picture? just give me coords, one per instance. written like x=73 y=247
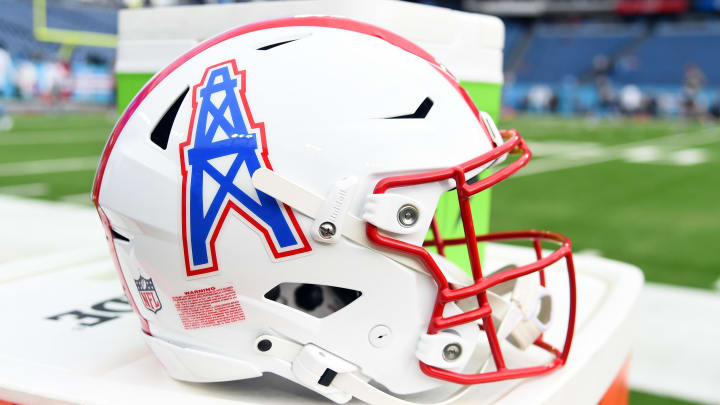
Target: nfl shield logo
x=149 y=296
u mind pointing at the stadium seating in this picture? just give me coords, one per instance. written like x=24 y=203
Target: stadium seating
x=16 y=30
x=650 y=54
x=514 y=32
x=659 y=56
x=86 y=18
x=642 y=51
x=663 y=57
x=559 y=51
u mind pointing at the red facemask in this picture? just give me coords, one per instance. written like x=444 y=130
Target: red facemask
x=447 y=293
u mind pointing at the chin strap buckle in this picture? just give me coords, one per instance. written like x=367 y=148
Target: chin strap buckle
x=312 y=366
x=330 y=375
x=316 y=369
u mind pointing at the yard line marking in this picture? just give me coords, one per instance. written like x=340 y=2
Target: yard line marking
x=48 y=166
x=561 y=147
x=689 y=157
x=617 y=152
x=643 y=154
x=589 y=252
x=26 y=190
x=675 y=347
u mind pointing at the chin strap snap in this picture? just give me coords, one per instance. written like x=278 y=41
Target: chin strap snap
x=312 y=366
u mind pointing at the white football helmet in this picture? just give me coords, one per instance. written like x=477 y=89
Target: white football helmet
x=270 y=198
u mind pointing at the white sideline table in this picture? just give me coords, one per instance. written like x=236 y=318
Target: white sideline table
x=57 y=264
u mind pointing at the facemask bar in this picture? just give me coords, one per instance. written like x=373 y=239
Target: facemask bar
x=481 y=284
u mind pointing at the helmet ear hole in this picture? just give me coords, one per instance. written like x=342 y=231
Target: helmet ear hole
x=309 y=296
x=273 y=294
x=346 y=295
x=313 y=299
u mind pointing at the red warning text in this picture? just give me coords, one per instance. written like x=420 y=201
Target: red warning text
x=208 y=307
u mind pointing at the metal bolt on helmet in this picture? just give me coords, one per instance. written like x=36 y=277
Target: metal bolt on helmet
x=327 y=230
x=408 y=215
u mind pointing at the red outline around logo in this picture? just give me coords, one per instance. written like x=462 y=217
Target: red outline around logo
x=260 y=126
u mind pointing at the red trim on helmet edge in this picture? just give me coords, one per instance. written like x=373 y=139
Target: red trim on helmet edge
x=111 y=242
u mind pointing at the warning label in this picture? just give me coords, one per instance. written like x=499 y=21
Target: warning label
x=208 y=307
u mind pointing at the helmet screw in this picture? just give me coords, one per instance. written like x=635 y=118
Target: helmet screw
x=408 y=215
x=452 y=352
x=327 y=230
x=264 y=345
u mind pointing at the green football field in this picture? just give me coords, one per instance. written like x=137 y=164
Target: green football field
x=641 y=192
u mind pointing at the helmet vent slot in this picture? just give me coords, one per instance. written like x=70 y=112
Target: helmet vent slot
x=420 y=113
x=116 y=235
x=161 y=133
x=276 y=44
x=313 y=299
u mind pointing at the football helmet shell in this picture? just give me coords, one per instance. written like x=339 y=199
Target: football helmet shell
x=311 y=152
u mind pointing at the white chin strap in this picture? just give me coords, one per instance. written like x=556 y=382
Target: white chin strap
x=332 y=376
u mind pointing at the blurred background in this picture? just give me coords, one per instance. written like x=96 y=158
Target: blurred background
x=600 y=58
x=619 y=100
